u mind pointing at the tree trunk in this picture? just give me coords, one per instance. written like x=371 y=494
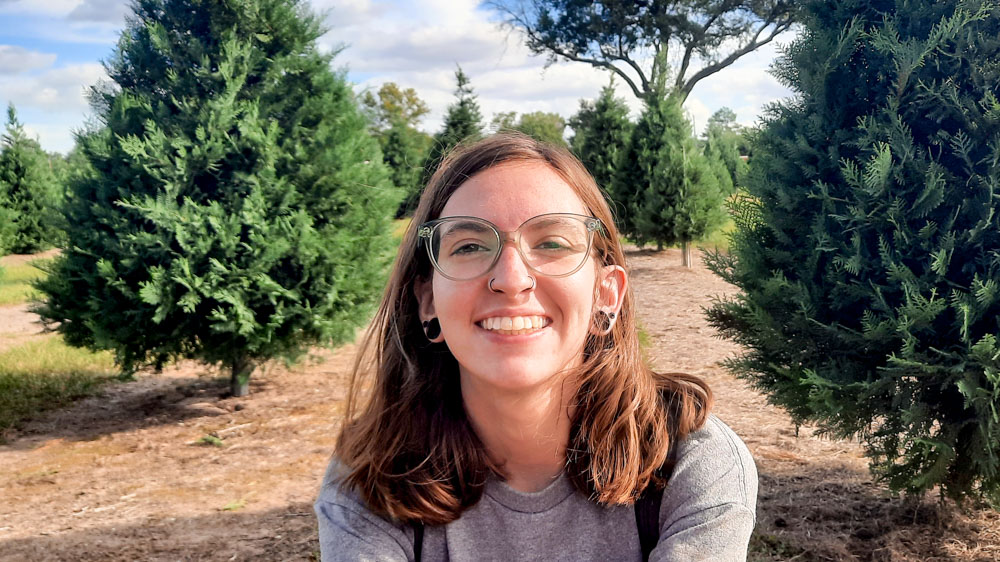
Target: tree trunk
x=659 y=246
x=686 y=253
x=239 y=381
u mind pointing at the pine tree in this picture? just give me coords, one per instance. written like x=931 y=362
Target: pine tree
x=462 y=123
x=601 y=131
x=669 y=191
x=723 y=137
x=868 y=249
x=27 y=191
x=236 y=208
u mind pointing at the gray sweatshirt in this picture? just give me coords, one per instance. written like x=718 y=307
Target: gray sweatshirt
x=708 y=513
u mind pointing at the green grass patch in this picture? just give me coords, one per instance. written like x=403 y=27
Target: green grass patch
x=399 y=227
x=235 y=505
x=767 y=548
x=15 y=282
x=719 y=238
x=46 y=374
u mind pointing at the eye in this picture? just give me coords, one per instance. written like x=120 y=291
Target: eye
x=466 y=248
x=553 y=244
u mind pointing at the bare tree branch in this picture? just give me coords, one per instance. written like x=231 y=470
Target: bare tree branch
x=734 y=56
x=611 y=33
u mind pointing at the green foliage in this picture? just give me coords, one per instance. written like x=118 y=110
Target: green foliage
x=666 y=190
x=620 y=35
x=236 y=208
x=463 y=122
x=394 y=105
x=723 y=140
x=45 y=374
x=28 y=192
x=539 y=125
x=867 y=249
x=601 y=131
x=395 y=115
x=546 y=127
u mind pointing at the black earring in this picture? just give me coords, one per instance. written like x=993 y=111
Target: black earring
x=432 y=329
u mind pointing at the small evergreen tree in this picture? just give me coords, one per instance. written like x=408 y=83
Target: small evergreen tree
x=236 y=208
x=669 y=191
x=601 y=131
x=27 y=191
x=462 y=122
x=723 y=137
x=868 y=249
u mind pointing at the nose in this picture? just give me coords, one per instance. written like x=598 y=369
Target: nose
x=510 y=275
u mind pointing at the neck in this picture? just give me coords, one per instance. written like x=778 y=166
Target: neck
x=526 y=431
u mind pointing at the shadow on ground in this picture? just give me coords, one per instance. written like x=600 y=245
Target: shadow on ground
x=287 y=534
x=860 y=520
x=122 y=407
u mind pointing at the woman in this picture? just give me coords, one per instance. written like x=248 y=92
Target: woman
x=511 y=415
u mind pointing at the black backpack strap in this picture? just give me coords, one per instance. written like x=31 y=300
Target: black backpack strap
x=418 y=540
x=647 y=508
x=647 y=519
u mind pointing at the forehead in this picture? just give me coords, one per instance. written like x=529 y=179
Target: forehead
x=513 y=192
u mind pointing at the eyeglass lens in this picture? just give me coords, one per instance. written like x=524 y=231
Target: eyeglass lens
x=554 y=245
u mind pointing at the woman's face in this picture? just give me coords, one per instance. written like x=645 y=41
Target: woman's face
x=507 y=195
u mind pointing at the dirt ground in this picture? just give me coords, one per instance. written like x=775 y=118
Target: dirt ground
x=124 y=476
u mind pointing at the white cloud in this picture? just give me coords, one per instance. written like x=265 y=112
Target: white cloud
x=61 y=90
x=14 y=59
x=38 y=7
x=105 y=11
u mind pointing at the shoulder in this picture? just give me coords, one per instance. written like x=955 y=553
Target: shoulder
x=715 y=463
x=346 y=524
x=708 y=510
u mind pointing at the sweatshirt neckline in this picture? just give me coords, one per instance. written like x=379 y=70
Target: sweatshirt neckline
x=529 y=502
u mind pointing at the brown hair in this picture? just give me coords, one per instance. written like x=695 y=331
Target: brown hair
x=412 y=454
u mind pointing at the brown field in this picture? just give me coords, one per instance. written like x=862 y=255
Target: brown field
x=126 y=476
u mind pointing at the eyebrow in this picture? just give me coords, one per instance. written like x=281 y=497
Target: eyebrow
x=470 y=225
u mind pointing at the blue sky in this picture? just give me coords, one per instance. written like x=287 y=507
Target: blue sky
x=51 y=51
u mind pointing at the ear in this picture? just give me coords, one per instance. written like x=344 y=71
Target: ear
x=423 y=290
x=612 y=283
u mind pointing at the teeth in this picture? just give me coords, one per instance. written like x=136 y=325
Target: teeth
x=513 y=324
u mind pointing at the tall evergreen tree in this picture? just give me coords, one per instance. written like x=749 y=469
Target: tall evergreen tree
x=669 y=191
x=601 y=131
x=462 y=122
x=27 y=191
x=237 y=209
x=723 y=137
x=868 y=250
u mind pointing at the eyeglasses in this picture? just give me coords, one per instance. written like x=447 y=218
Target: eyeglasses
x=553 y=244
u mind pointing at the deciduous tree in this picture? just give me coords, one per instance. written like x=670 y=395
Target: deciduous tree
x=625 y=36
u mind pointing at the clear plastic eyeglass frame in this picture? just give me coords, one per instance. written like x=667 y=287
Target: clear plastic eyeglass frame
x=428 y=232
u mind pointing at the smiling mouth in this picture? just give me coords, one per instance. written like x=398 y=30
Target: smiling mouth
x=514 y=325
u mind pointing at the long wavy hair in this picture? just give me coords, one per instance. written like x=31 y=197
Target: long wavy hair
x=406 y=443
